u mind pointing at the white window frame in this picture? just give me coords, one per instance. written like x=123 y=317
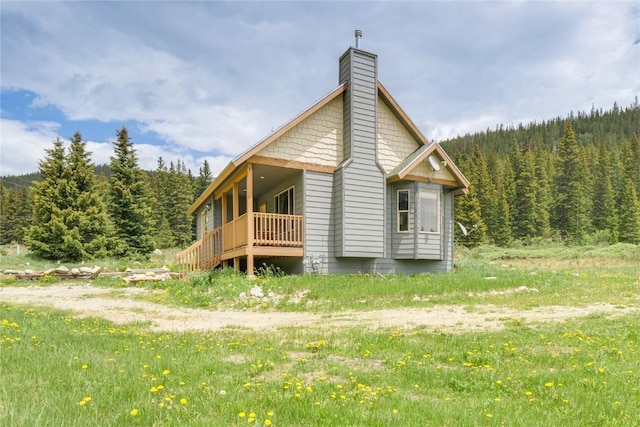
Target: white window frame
x=403 y=211
x=204 y=221
x=429 y=195
x=292 y=205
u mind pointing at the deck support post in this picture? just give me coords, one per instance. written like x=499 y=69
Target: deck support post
x=250 y=224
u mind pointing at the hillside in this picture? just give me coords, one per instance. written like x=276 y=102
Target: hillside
x=574 y=179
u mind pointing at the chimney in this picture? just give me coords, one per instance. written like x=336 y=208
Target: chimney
x=358 y=37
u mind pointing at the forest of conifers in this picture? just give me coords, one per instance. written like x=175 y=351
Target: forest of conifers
x=573 y=179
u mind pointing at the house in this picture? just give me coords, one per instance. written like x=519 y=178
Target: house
x=349 y=185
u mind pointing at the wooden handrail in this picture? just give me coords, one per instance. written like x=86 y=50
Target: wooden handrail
x=269 y=230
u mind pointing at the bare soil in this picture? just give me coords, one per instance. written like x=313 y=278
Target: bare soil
x=122 y=306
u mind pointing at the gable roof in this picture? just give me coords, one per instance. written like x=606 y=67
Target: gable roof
x=243 y=157
x=421 y=154
x=401 y=171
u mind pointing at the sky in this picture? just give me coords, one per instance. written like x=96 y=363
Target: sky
x=207 y=80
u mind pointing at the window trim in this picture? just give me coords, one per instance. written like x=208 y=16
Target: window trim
x=407 y=211
x=204 y=221
x=438 y=211
x=292 y=200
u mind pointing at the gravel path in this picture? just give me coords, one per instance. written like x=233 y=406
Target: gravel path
x=121 y=306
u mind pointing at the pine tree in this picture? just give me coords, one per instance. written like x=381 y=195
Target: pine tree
x=15 y=215
x=501 y=228
x=629 y=228
x=605 y=215
x=571 y=212
x=543 y=196
x=88 y=213
x=203 y=180
x=129 y=200
x=179 y=201
x=160 y=187
x=526 y=207
x=53 y=197
x=468 y=213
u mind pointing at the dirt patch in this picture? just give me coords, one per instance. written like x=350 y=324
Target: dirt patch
x=88 y=301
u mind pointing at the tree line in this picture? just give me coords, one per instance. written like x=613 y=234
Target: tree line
x=71 y=213
x=573 y=179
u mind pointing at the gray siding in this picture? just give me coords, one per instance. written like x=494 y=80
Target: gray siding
x=359 y=184
x=402 y=244
x=318 y=221
x=430 y=246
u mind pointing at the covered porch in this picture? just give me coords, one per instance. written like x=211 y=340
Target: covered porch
x=243 y=229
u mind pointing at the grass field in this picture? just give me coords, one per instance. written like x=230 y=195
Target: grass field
x=62 y=371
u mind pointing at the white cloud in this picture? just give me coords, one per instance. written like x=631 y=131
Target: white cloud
x=212 y=78
x=24 y=144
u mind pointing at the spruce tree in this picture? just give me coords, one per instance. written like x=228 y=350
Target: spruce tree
x=468 y=213
x=204 y=179
x=88 y=214
x=160 y=187
x=49 y=235
x=15 y=215
x=526 y=207
x=571 y=210
x=129 y=200
x=629 y=228
x=605 y=214
x=180 y=198
x=501 y=233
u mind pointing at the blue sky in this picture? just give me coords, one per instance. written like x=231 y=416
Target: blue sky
x=206 y=80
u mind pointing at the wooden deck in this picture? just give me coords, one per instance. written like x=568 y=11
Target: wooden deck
x=274 y=235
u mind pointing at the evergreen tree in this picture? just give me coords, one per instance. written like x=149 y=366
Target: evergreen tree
x=15 y=215
x=605 y=215
x=629 y=229
x=571 y=213
x=88 y=213
x=129 y=200
x=467 y=213
x=526 y=207
x=543 y=196
x=501 y=227
x=180 y=198
x=203 y=180
x=161 y=186
x=49 y=236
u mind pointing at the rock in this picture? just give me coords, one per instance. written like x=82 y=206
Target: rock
x=49 y=271
x=257 y=292
x=86 y=270
x=11 y=272
x=62 y=270
x=151 y=273
x=28 y=272
x=415 y=298
x=157 y=252
x=75 y=271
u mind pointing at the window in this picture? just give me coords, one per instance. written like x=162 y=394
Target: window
x=429 y=205
x=403 y=211
x=284 y=202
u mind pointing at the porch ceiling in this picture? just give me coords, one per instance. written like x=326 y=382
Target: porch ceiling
x=266 y=177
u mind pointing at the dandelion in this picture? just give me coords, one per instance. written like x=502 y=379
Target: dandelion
x=549 y=384
x=85 y=366
x=183 y=401
x=270 y=413
x=242 y=415
x=394 y=411
x=489 y=415
x=267 y=422
x=165 y=372
x=134 y=412
x=527 y=393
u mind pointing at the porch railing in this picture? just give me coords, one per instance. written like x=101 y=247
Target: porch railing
x=269 y=230
x=203 y=254
x=277 y=229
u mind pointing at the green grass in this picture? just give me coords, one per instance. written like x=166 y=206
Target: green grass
x=55 y=370
x=60 y=371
